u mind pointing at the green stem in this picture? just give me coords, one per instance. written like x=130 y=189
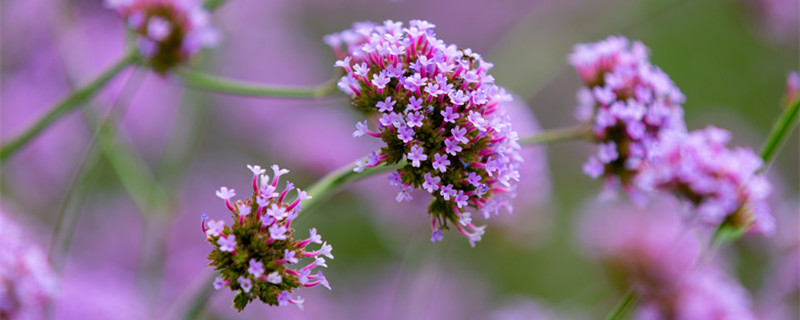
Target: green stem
x=334 y=181
x=780 y=131
x=623 y=309
x=213 y=83
x=556 y=135
x=197 y=303
x=77 y=99
x=328 y=185
x=212 y=5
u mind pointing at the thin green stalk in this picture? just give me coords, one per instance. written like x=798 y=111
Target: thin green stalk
x=780 y=131
x=75 y=100
x=78 y=189
x=197 y=303
x=212 y=5
x=556 y=135
x=218 y=84
x=623 y=309
x=332 y=182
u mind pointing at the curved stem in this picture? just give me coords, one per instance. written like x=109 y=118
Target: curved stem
x=624 y=307
x=556 y=135
x=780 y=131
x=334 y=181
x=214 y=83
x=75 y=100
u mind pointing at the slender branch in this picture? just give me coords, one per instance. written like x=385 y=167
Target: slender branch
x=212 y=5
x=75 y=100
x=334 y=181
x=214 y=83
x=780 y=131
x=197 y=303
x=556 y=135
x=624 y=307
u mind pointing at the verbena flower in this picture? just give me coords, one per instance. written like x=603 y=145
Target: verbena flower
x=253 y=254
x=650 y=250
x=628 y=103
x=437 y=107
x=723 y=184
x=26 y=281
x=168 y=32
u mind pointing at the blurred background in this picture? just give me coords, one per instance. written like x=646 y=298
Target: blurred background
x=126 y=249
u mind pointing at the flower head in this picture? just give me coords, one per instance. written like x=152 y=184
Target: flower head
x=168 y=31
x=652 y=251
x=439 y=109
x=723 y=184
x=627 y=102
x=254 y=254
x=27 y=282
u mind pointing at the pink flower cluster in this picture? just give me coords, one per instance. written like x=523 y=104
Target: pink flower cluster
x=651 y=250
x=437 y=107
x=636 y=118
x=722 y=183
x=629 y=103
x=26 y=281
x=252 y=255
x=168 y=31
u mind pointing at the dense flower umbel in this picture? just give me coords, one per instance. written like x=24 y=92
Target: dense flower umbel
x=168 y=31
x=721 y=183
x=650 y=250
x=26 y=281
x=253 y=255
x=437 y=107
x=628 y=102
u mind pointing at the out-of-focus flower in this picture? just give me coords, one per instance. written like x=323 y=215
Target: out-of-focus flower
x=778 y=298
x=168 y=31
x=792 y=87
x=253 y=254
x=703 y=293
x=529 y=309
x=651 y=250
x=26 y=281
x=723 y=184
x=438 y=109
x=628 y=102
x=778 y=20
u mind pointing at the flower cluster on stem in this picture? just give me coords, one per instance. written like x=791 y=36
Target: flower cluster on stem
x=723 y=184
x=168 y=32
x=628 y=102
x=437 y=107
x=254 y=254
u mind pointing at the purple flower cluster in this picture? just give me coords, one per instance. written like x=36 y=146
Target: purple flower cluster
x=628 y=102
x=168 y=31
x=724 y=184
x=651 y=250
x=437 y=107
x=26 y=281
x=252 y=255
